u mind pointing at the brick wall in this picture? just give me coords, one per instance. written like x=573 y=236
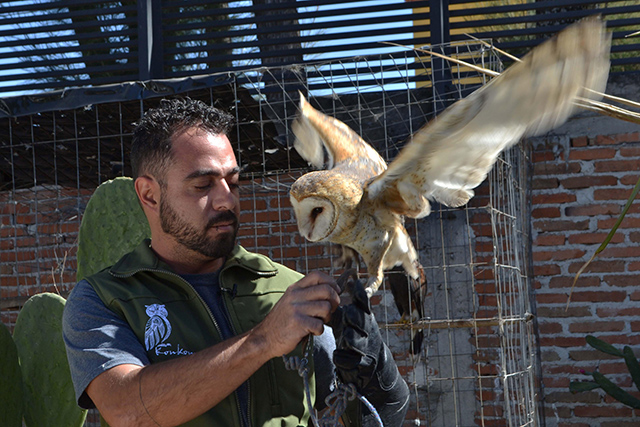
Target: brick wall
x=583 y=175
x=38 y=237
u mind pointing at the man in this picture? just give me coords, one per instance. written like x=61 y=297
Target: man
x=190 y=328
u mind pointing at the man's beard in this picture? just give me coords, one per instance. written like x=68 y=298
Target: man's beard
x=197 y=240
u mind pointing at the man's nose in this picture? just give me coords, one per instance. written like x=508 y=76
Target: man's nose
x=223 y=198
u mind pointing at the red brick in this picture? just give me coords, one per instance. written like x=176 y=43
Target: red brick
x=567 y=282
x=580 y=141
x=630 y=151
x=612 y=194
x=551 y=298
x=558 y=255
x=616 y=166
x=592 y=153
x=599 y=296
x=568 y=397
x=620 y=252
x=597 y=266
x=550 y=328
x=545 y=183
x=12 y=232
x=549 y=240
x=491 y=411
x=600 y=326
x=555 y=169
x=629 y=180
x=589 y=355
x=560 y=225
x=592 y=411
x=588 y=182
x=618 y=138
x=634 y=208
x=556 y=382
x=615 y=312
x=594 y=238
x=572 y=311
x=281 y=202
x=552 y=199
x=593 y=210
x=250 y=205
x=547 y=212
x=627 y=222
x=543 y=156
x=546 y=270
x=622 y=280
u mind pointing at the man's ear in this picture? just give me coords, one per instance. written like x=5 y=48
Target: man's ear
x=148 y=191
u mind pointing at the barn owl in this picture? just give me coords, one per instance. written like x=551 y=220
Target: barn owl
x=360 y=203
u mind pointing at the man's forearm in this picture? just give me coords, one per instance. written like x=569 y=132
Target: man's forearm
x=176 y=391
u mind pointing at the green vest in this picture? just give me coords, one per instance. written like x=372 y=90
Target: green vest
x=171 y=320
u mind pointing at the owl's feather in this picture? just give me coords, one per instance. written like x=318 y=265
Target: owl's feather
x=453 y=154
x=408 y=294
x=314 y=130
x=360 y=203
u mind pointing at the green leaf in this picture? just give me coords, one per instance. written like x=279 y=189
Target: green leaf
x=632 y=365
x=602 y=346
x=616 y=392
x=11 y=401
x=607 y=239
x=580 y=386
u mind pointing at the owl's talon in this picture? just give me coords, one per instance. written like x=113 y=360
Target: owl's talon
x=372 y=286
x=369 y=292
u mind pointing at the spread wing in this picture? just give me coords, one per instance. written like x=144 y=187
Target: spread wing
x=452 y=154
x=315 y=130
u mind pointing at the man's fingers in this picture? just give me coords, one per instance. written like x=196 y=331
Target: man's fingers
x=318 y=278
x=318 y=292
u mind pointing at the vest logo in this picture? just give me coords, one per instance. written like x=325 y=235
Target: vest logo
x=157 y=331
x=158 y=327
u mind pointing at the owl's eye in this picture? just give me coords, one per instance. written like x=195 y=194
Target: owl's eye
x=315 y=212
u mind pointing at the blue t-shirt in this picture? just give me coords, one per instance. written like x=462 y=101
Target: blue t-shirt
x=98 y=340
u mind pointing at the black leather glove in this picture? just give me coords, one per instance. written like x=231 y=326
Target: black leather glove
x=361 y=358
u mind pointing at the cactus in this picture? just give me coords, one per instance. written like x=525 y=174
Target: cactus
x=11 y=383
x=113 y=224
x=600 y=381
x=49 y=398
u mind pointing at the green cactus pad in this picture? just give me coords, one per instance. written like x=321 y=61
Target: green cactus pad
x=113 y=224
x=49 y=397
x=11 y=383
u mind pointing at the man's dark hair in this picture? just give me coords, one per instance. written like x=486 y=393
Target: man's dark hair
x=152 y=136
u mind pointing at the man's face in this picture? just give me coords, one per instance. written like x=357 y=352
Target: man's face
x=199 y=206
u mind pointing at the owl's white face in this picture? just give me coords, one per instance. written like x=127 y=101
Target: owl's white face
x=316 y=217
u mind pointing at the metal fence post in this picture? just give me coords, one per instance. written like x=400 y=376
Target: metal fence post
x=150 y=40
x=440 y=34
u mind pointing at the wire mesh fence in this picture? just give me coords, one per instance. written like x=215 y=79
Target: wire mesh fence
x=478 y=360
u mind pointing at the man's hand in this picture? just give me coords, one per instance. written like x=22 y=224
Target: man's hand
x=362 y=359
x=303 y=309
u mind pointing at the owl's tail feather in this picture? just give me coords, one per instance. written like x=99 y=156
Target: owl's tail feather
x=416 y=342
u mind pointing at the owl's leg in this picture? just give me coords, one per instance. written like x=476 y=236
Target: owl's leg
x=375 y=267
x=347 y=257
x=373 y=283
